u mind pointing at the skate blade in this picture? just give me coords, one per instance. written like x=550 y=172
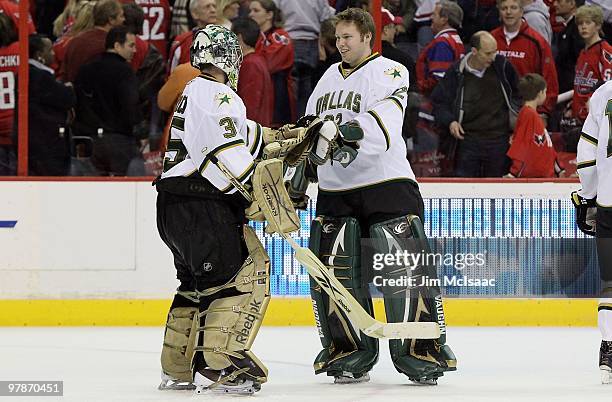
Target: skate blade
x=348 y=379
x=176 y=386
x=606 y=374
x=424 y=381
x=225 y=389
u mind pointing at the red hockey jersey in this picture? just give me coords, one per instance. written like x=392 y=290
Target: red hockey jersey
x=532 y=151
x=530 y=53
x=277 y=49
x=156 y=24
x=179 y=52
x=256 y=90
x=9 y=63
x=436 y=58
x=12 y=10
x=594 y=66
x=142 y=48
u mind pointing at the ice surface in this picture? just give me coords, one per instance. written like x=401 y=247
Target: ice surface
x=495 y=364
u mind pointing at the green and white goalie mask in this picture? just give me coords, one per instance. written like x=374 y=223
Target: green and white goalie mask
x=218 y=46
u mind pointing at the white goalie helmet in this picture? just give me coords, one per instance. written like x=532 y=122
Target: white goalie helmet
x=218 y=46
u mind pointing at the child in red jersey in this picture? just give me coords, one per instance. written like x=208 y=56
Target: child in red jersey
x=532 y=151
x=594 y=65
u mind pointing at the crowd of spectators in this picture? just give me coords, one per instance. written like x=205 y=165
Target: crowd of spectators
x=106 y=74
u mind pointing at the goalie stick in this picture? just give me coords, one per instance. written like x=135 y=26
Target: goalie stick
x=326 y=279
x=342 y=297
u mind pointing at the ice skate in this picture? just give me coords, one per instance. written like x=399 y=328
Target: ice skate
x=350 y=378
x=222 y=382
x=605 y=362
x=169 y=383
x=425 y=380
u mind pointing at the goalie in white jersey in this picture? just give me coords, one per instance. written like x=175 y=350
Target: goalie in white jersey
x=222 y=267
x=367 y=191
x=594 y=206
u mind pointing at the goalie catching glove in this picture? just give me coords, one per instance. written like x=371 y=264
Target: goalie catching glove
x=586 y=210
x=316 y=139
x=292 y=143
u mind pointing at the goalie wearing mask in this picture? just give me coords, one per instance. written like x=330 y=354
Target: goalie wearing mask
x=221 y=265
x=367 y=190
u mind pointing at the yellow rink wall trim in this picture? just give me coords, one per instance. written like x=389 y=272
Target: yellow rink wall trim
x=296 y=311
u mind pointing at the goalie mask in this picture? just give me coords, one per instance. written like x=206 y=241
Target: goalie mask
x=218 y=46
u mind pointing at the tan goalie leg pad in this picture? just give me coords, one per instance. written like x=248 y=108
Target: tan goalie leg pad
x=271 y=195
x=231 y=323
x=179 y=342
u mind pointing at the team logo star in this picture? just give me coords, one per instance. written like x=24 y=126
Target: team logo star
x=394 y=72
x=223 y=98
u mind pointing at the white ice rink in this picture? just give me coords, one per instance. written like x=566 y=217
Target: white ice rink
x=495 y=364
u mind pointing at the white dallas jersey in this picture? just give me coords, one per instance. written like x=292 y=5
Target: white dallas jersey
x=210 y=121
x=374 y=94
x=594 y=159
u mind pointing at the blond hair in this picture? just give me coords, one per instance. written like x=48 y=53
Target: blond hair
x=590 y=12
x=69 y=11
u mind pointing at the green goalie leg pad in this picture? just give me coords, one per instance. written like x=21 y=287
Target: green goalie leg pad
x=406 y=301
x=337 y=243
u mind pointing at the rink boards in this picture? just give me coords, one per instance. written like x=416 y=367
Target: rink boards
x=87 y=253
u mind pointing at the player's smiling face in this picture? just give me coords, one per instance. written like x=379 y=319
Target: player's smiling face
x=352 y=46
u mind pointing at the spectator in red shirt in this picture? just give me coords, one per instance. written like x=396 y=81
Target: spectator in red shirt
x=594 y=65
x=444 y=50
x=12 y=10
x=526 y=49
x=275 y=45
x=532 y=152
x=9 y=63
x=84 y=47
x=82 y=21
x=254 y=82
x=204 y=12
x=63 y=22
x=149 y=66
x=156 y=24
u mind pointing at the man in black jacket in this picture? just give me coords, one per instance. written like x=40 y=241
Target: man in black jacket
x=568 y=43
x=476 y=100
x=49 y=104
x=108 y=109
